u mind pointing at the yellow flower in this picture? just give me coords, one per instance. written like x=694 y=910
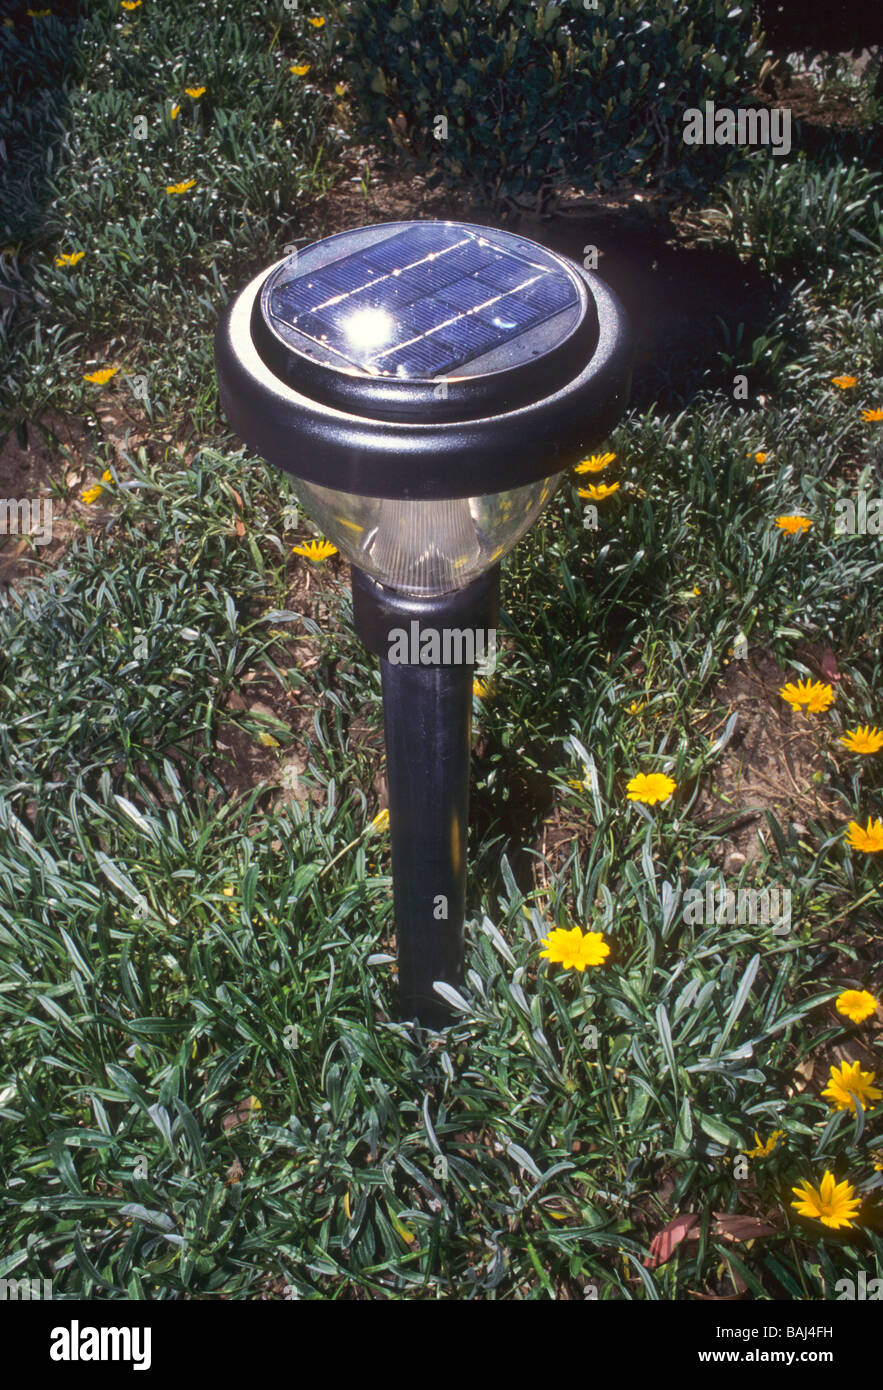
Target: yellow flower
x=815 y=695
x=844 y=382
x=635 y=707
x=100 y=377
x=586 y=782
x=38 y=14
x=107 y=476
x=863 y=740
x=70 y=258
x=793 y=524
x=597 y=491
x=650 y=788
x=316 y=23
x=340 y=89
x=856 y=1004
x=484 y=689
x=696 y=590
x=848 y=1081
x=760 y=457
x=130 y=4
x=181 y=187
x=574 y=950
x=91 y=495
x=875 y=414
x=762 y=1150
x=870 y=840
x=833 y=1203
x=175 y=112
x=195 y=92
x=228 y=891
x=300 y=69
x=315 y=550
x=595 y=463
x=380 y=822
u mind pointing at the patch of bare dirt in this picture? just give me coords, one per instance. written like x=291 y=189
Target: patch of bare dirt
x=57 y=460
x=43 y=475
x=772 y=762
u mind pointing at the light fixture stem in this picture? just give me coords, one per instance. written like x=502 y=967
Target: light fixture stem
x=427 y=709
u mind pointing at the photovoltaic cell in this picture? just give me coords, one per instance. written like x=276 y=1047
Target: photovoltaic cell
x=423 y=302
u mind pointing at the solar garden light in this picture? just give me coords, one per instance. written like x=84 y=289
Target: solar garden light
x=426 y=384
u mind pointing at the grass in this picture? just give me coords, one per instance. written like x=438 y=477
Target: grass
x=203 y=1089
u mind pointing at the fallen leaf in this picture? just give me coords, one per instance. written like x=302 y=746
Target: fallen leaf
x=244 y=1111
x=666 y=1241
x=830 y=669
x=735 y=1227
x=803 y=1074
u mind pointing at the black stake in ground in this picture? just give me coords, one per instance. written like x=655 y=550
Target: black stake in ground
x=426 y=384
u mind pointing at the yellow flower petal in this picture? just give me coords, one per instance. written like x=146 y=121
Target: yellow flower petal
x=595 y=464
x=598 y=491
x=650 y=788
x=315 y=550
x=794 y=525
x=574 y=949
x=863 y=740
x=832 y=1203
x=867 y=841
x=813 y=696
x=848 y=1082
x=856 y=1004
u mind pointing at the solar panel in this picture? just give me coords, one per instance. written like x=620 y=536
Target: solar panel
x=422 y=302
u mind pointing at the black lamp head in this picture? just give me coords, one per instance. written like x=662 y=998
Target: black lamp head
x=408 y=373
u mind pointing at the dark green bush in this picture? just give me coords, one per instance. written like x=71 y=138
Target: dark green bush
x=538 y=94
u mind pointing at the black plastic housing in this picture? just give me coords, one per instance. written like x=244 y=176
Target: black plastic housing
x=461 y=437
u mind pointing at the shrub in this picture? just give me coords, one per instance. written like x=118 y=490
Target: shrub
x=534 y=94
x=796 y=218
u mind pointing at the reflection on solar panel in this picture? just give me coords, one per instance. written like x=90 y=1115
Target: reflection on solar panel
x=422 y=302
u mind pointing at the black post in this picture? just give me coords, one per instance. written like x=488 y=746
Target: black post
x=428 y=721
